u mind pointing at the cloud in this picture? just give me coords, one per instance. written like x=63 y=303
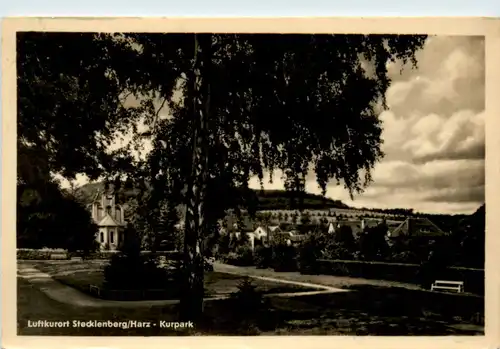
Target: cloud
x=450 y=77
x=460 y=136
x=433 y=132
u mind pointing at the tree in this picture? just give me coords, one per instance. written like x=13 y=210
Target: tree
x=471 y=236
x=280 y=216
x=249 y=103
x=373 y=245
x=305 y=218
x=46 y=215
x=345 y=237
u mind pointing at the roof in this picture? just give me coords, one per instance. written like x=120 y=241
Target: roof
x=234 y=224
x=417 y=227
x=108 y=221
x=356 y=225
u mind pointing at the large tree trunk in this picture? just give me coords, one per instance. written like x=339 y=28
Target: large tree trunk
x=199 y=96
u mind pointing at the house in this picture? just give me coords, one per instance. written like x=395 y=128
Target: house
x=357 y=226
x=110 y=219
x=266 y=231
x=417 y=227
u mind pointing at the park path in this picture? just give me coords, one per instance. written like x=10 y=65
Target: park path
x=326 y=281
x=69 y=295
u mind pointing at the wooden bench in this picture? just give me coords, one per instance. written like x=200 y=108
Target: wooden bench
x=448 y=285
x=95 y=290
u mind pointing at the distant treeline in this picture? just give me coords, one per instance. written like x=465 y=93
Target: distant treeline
x=266 y=199
x=282 y=200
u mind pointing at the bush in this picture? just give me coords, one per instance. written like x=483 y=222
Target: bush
x=132 y=270
x=404 y=257
x=135 y=273
x=338 y=250
x=242 y=257
x=101 y=255
x=35 y=254
x=263 y=257
x=284 y=258
x=308 y=255
x=248 y=307
x=245 y=255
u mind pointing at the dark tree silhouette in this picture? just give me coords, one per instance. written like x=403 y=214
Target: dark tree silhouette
x=248 y=103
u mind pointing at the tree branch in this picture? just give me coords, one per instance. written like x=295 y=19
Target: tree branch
x=157 y=114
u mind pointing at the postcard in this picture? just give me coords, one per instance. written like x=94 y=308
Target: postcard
x=237 y=182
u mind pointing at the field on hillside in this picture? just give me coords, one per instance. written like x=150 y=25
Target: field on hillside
x=350 y=213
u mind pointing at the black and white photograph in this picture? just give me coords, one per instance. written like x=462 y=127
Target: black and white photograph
x=249 y=184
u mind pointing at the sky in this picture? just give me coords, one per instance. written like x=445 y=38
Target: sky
x=433 y=134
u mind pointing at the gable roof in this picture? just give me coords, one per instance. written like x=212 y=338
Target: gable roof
x=108 y=221
x=417 y=227
x=244 y=224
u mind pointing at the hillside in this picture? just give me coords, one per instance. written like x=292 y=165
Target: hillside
x=267 y=199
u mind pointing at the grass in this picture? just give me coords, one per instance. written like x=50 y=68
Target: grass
x=365 y=311
x=81 y=274
x=32 y=304
x=368 y=309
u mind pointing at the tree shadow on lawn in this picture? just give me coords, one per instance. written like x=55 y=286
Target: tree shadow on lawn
x=366 y=310
x=217 y=284
x=33 y=304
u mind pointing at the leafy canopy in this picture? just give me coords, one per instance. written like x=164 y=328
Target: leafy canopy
x=278 y=101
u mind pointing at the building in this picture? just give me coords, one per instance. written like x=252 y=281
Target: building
x=110 y=219
x=417 y=227
x=265 y=232
x=357 y=226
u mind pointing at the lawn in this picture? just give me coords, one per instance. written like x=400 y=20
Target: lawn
x=81 y=274
x=366 y=311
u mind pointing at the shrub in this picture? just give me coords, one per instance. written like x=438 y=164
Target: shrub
x=284 y=258
x=372 y=243
x=100 y=255
x=33 y=254
x=337 y=250
x=308 y=255
x=248 y=308
x=223 y=244
x=132 y=270
x=135 y=273
x=242 y=257
x=263 y=257
x=404 y=257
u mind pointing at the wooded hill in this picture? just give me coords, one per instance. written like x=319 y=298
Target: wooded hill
x=267 y=199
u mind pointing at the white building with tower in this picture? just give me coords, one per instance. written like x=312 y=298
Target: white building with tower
x=110 y=219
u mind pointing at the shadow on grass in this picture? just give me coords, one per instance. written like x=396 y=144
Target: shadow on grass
x=366 y=310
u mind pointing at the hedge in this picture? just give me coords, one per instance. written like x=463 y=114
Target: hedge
x=409 y=273
x=45 y=254
x=41 y=254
